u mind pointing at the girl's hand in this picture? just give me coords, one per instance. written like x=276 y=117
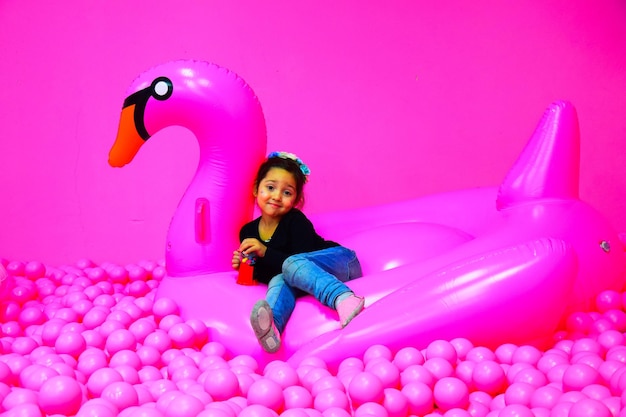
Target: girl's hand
x=252 y=245
x=236 y=261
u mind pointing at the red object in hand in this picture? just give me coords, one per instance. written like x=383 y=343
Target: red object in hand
x=246 y=267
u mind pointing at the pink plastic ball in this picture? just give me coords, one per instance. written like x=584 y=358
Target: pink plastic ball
x=23 y=345
x=163 y=307
x=67 y=314
x=122 y=316
x=82 y=307
x=105 y=299
x=596 y=391
x=168 y=321
x=222 y=384
x=618 y=318
x=60 y=395
x=450 y=392
x=396 y=404
x=18 y=396
x=579 y=375
x=545 y=397
x=477 y=409
x=90 y=361
x=519 y=393
x=282 y=374
x=256 y=410
x=118 y=274
x=579 y=322
x=616 y=353
x=514 y=369
x=365 y=387
x=608 y=300
x=351 y=363
x=531 y=376
x=331 y=398
x=479 y=354
x=326 y=382
x=33 y=376
x=95 y=317
x=386 y=371
x=125 y=357
x=488 y=376
x=34 y=270
x=121 y=394
x=96 y=274
x=201 y=331
x=100 y=379
x=216 y=349
x=464 y=371
x=181 y=335
x=457 y=412
x=137 y=273
x=406 y=357
x=94 y=339
x=610 y=338
x=526 y=354
x=30 y=316
x=420 y=398
x=179 y=360
x=586 y=345
x=550 y=360
x=184 y=405
x=149 y=374
x=439 y=367
x=377 y=351
x=370 y=409
x=138 y=288
x=109 y=326
x=9 y=311
x=128 y=373
x=149 y=355
x=417 y=373
x=120 y=339
x=462 y=346
x=71 y=343
x=441 y=349
x=12 y=329
x=297 y=396
x=141 y=328
x=516 y=410
x=587 y=407
x=312 y=376
x=159 y=340
x=267 y=393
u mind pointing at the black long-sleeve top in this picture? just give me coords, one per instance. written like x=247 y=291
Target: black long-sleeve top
x=294 y=234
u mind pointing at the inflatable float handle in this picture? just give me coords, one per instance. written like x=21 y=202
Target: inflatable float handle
x=202 y=221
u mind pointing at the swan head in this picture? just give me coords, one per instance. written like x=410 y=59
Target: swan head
x=211 y=101
x=132 y=132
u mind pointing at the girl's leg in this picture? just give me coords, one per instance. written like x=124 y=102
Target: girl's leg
x=269 y=317
x=281 y=298
x=323 y=273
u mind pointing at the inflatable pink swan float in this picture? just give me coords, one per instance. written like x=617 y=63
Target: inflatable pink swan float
x=493 y=265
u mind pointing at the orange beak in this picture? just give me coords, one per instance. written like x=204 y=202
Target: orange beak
x=128 y=140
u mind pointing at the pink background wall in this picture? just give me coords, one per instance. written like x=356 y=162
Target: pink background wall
x=385 y=100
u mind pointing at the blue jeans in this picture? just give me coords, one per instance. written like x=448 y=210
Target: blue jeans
x=321 y=273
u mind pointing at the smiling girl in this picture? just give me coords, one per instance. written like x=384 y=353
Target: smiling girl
x=290 y=256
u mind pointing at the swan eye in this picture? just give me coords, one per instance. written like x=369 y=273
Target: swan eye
x=162 y=88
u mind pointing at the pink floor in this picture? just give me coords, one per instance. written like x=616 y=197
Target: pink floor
x=87 y=340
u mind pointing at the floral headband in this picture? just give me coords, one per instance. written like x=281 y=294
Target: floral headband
x=286 y=155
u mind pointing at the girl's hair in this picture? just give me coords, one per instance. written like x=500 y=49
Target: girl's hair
x=290 y=165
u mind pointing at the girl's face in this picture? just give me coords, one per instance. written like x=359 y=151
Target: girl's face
x=276 y=193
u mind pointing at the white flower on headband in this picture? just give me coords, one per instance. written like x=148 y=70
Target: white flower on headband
x=288 y=155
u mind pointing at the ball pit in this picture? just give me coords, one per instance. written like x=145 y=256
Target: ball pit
x=80 y=340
